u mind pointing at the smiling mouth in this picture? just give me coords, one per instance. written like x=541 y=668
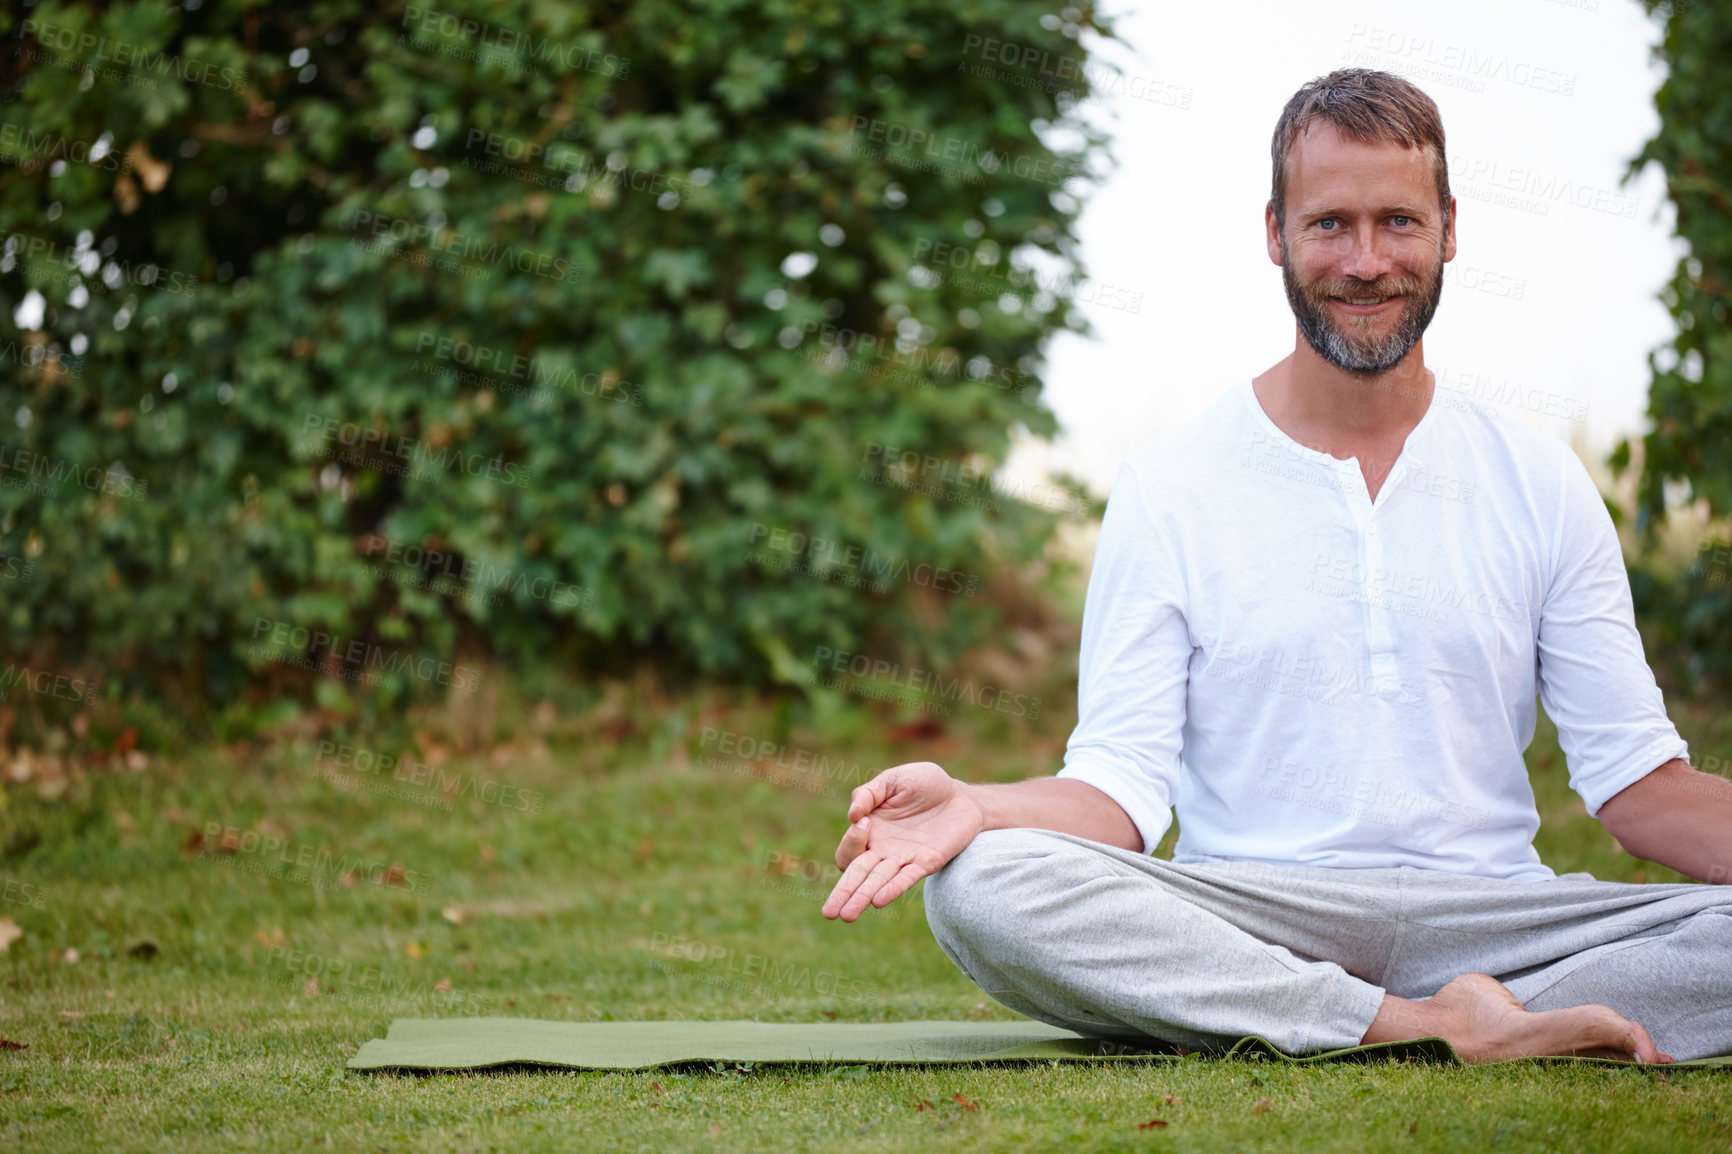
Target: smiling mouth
x=1366 y=302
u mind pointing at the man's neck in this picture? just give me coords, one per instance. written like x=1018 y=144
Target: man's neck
x=1346 y=415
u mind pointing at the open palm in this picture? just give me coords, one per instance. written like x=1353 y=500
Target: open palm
x=904 y=824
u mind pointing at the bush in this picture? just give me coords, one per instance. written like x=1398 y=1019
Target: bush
x=385 y=339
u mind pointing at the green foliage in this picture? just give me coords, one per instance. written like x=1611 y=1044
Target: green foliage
x=333 y=280
x=1689 y=445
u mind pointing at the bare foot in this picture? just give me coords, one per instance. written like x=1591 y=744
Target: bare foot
x=1477 y=1015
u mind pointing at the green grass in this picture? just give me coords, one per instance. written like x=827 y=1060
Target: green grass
x=211 y=1008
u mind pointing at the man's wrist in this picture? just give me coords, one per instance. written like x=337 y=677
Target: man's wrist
x=982 y=798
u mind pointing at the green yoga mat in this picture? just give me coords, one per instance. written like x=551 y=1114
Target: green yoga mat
x=479 y=1043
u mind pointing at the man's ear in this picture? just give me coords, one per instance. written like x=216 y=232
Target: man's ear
x=1272 y=233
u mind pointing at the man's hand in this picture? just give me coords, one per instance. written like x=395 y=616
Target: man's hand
x=904 y=824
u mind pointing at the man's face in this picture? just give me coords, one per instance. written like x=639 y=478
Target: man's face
x=1363 y=225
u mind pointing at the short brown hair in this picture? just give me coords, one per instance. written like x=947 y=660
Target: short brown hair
x=1365 y=105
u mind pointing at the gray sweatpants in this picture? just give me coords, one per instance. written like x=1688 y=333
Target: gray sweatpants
x=1116 y=944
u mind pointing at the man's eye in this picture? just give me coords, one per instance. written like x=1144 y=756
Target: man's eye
x=1325 y=222
x=1398 y=219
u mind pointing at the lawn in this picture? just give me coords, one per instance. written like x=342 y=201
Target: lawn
x=208 y=935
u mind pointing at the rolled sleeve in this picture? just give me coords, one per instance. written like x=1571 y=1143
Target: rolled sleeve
x=1134 y=664
x=1594 y=678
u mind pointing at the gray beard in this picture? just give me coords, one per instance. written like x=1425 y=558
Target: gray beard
x=1364 y=357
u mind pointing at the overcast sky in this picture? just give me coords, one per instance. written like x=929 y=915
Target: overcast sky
x=1549 y=308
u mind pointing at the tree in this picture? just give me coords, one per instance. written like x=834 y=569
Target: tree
x=1689 y=443
x=368 y=338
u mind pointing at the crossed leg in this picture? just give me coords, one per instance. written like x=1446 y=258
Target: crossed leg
x=1117 y=944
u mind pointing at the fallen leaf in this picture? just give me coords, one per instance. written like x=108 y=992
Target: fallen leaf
x=715 y=1129
x=5 y=1044
x=924 y=1105
x=1153 y=1124
x=964 y=1102
x=453 y=914
x=311 y=989
x=417 y=949
x=443 y=985
x=70 y=957
x=274 y=938
x=9 y=933
x=72 y=1015
x=1262 y=1106
x=109 y=994
x=1170 y=1099
x=1413 y=1129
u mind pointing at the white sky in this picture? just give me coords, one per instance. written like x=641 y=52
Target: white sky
x=1180 y=219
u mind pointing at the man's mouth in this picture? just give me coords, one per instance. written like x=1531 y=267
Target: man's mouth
x=1366 y=303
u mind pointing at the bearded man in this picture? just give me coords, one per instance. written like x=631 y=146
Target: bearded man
x=1317 y=622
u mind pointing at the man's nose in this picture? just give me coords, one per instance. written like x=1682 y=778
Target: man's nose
x=1368 y=259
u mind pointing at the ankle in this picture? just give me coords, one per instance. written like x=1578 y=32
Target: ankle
x=1402 y=1020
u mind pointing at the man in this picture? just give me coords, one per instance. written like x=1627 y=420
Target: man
x=1318 y=617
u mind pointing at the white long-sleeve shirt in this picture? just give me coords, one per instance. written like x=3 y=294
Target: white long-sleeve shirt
x=1316 y=679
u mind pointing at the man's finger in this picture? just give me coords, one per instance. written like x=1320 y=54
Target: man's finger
x=849 y=883
x=882 y=872
x=898 y=885
x=853 y=842
x=871 y=795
